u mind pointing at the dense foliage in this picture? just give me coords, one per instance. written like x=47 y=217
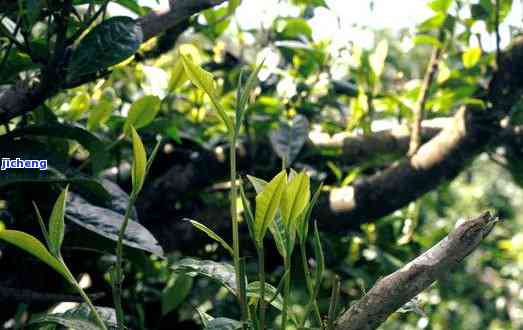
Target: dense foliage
x=205 y=172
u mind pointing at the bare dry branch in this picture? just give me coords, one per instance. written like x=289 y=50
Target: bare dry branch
x=398 y=288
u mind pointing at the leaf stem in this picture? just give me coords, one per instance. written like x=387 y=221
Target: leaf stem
x=118 y=272
x=286 y=292
x=234 y=218
x=86 y=298
x=261 y=269
x=310 y=288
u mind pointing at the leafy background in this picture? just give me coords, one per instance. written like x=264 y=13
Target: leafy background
x=313 y=83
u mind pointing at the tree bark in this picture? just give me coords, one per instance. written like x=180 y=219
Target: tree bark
x=398 y=288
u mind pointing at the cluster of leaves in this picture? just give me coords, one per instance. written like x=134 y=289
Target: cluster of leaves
x=86 y=133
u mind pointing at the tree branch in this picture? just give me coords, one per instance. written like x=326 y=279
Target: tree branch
x=439 y=160
x=398 y=288
x=157 y=22
x=419 y=110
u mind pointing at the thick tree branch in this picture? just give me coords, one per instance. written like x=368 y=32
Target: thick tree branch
x=21 y=98
x=439 y=160
x=398 y=288
x=157 y=22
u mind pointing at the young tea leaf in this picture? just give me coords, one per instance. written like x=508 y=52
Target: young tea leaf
x=303 y=224
x=471 y=57
x=295 y=199
x=56 y=224
x=139 y=162
x=249 y=217
x=257 y=183
x=204 y=80
x=211 y=234
x=267 y=204
x=142 y=112
x=243 y=96
x=33 y=246
x=272 y=295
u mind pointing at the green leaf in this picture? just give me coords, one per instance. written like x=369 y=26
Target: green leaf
x=435 y=22
x=257 y=183
x=109 y=43
x=267 y=204
x=486 y=10
x=223 y=323
x=280 y=235
x=41 y=222
x=178 y=288
x=66 y=321
x=318 y=255
x=221 y=272
x=56 y=224
x=107 y=223
x=471 y=57
x=211 y=234
x=377 y=59
x=34 y=247
x=425 y=39
x=79 y=318
x=100 y=113
x=288 y=139
x=142 y=112
x=272 y=295
x=139 y=162
x=441 y=6
x=295 y=198
x=178 y=75
x=233 y=4
x=78 y=106
x=303 y=225
x=249 y=217
x=243 y=96
x=294 y=28
x=205 y=81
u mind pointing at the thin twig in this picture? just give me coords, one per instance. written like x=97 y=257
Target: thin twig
x=419 y=109
x=89 y=22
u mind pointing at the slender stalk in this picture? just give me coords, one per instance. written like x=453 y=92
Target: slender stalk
x=85 y=297
x=312 y=301
x=118 y=272
x=335 y=295
x=91 y=306
x=310 y=288
x=286 y=292
x=234 y=218
x=261 y=269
